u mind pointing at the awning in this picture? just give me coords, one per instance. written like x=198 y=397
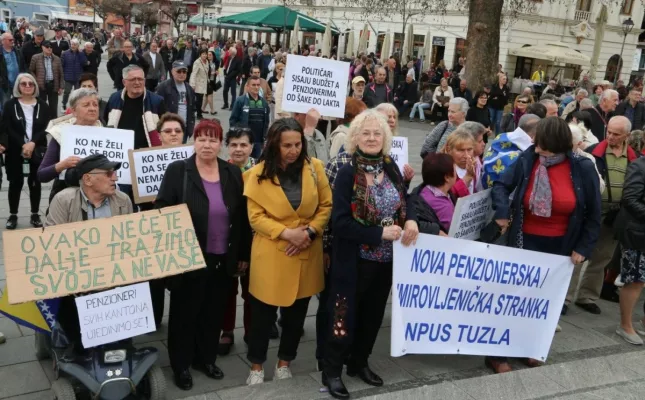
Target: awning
x=196 y=20
x=277 y=18
x=556 y=52
x=74 y=17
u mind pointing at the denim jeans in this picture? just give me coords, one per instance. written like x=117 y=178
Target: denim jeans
x=420 y=107
x=496 y=118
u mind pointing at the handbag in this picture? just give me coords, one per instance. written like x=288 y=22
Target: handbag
x=216 y=85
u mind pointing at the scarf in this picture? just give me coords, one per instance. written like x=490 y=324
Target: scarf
x=517 y=114
x=364 y=207
x=541 y=196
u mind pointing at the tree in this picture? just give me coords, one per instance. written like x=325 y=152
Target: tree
x=147 y=15
x=103 y=8
x=175 y=11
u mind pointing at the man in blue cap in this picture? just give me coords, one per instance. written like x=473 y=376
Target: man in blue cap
x=179 y=96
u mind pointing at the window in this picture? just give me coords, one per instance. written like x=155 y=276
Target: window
x=41 y=17
x=627 y=7
x=585 y=5
x=614 y=66
x=6 y=15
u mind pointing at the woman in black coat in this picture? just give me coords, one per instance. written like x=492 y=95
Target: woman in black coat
x=24 y=142
x=212 y=189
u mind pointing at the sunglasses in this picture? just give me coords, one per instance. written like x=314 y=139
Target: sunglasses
x=182 y=71
x=523 y=101
x=27 y=84
x=178 y=131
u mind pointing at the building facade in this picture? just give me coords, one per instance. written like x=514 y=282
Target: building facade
x=572 y=22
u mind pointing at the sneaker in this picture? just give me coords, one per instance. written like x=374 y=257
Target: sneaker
x=631 y=338
x=35 y=221
x=282 y=373
x=411 y=120
x=255 y=378
x=640 y=327
x=619 y=282
x=558 y=328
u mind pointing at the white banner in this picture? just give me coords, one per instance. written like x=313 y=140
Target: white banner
x=313 y=82
x=116 y=314
x=83 y=141
x=452 y=296
x=149 y=167
x=399 y=151
x=471 y=215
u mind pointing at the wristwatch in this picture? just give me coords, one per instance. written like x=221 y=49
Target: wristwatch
x=312 y=233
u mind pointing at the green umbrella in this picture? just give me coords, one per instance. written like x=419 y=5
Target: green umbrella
x=278 y=18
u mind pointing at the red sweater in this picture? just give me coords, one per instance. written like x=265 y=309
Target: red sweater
x=562 y=206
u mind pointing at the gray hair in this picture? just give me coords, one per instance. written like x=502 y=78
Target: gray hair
x=387 y=109
x=355 y=128
x=582 y=91
x=251 y=50
x=576 y=133
x=131 y=67
x=474 y=128
x=461 y=102
x=232 y=50
x=547 y=102
x=627 y=124
x=266 y=47
x=16 y=86
x=89 y=44
x=79 y=94
x=74 y=41
x=586 y=103
x=528 y=123
x=607 y=93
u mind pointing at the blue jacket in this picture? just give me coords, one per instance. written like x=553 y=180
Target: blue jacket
x=584 y=224
x=152 y=104
x=240 y=114
x=73 y=63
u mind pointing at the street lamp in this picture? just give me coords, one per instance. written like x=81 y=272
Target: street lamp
x=628 y=25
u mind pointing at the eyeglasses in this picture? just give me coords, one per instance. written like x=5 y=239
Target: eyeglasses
x=523 y=101
x=108 y=173
x=27 y=84
x=177 y=131
x=182 y=71
x=135 y=80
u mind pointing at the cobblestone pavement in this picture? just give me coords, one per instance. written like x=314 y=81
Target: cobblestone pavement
x=587 y=360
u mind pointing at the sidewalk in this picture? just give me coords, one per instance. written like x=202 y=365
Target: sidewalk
x=587 y=361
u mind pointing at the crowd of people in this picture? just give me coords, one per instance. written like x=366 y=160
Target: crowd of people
x=295 y=213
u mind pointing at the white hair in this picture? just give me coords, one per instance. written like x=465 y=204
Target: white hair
x=75 y=41
x=586 y=103
x=582 y=91
x=607 y=93
x=89 y=44
x=80 y=93
x=16 y=86
x=548 y=102
x=356 y=127
x=131 y=67
x=463 y=103
x=627 y=124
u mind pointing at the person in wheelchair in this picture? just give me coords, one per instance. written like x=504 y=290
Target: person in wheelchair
x=93 y=195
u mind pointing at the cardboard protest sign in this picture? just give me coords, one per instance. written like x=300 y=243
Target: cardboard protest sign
x=312 y=82
x=98 y=254
x=116 y=314
x=471 y=215
x=83 y=141
x=148 y=166
x=399 y=151
x=457 y=297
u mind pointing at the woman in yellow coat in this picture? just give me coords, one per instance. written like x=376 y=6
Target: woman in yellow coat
x=289 y=205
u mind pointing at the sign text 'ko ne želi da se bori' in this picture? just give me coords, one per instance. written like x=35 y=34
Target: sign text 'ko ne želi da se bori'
x=148 y=167
x=452 y=296
x=116 y=314
x=99 y=254
x=312 y=82
x=83 y=141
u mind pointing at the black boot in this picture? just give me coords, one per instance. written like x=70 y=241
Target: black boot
x=184 y=380
x=335 y=386
x=12 y=222
x=366 y=374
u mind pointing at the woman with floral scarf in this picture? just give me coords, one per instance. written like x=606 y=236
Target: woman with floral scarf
x=556 y=206
x=369 y=213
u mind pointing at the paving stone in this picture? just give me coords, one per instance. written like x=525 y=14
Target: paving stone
x=18 y=350
x=26 y=331
x=22 y=378
x=573 y=338
x=43 y=395
x=582 y=319
x=633 y=361
x=427 y=365
x=516 y=385
x=9 y=328
x=299 y=387
x=443 y=390
x=589 y=373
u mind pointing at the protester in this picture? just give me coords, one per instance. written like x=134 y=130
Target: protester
x=336 y=140
x=556 y=206
x=460 y=146
x=32 y=47
x=435 y=141
x=199 y=80
x=188 y=54
x=573 y=106
x=48 y=70
x=116 y=43
x=169 y=55
x=633 y=109
x=497 y=100
x=316 y=143
x=157 y=69
x=284 y=277
x=629 y=232
x=613 y=156
x=212 y=189
x=11 y=64
x=95 y=197
x=441 y=99
x=171 y=128
x=73 y=62
x=463 y=91
x=423 y=104
x=432 y=201
x=603 y=113
x=358 y=88
x=370 y=208
x=231 y=72
x=479 y=113
x=252 y=111
x=511 y=120
x=122 y=59
x=90 y=81
x=264 y=61
x=179 y=97
x=85 y=112
x=406 y=94
x=250 y=60
x=93 y=59
x=210 y=88
x=378 y=91
x=595 y=94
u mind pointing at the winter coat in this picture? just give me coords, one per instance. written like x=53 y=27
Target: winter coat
x=199 y=76
x=73 y=63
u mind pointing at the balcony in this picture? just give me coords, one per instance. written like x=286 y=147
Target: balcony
x=581 y=15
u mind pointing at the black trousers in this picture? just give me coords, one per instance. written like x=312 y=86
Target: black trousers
x=67 y=317
x=17 y=181
x=151 y=84
x=51 y=97
x=322 y=320
x=197 y=305
x=229 y=86
x=372 y=290
x=198 y=103
x=264 y=315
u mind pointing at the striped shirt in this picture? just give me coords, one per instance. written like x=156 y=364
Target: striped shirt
x=616 y=169
x=49 y=71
